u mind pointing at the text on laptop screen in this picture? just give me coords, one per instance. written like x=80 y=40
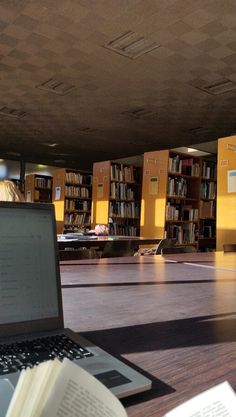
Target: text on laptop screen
x=28 y=284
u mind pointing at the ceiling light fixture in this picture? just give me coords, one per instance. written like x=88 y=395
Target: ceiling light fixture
x=220 y=86
x=49 y=144
x=85 y=130
x=7 y=111
x=190 y=150
x=131 y=45
x=57 y=87
x=13 y=153
x=140 y=113
x=59 y=161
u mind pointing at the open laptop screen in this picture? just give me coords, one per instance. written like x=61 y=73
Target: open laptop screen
x=28 y=263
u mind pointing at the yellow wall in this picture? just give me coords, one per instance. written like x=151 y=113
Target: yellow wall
x=155 y=171
x=101 y=192
x=226 y=198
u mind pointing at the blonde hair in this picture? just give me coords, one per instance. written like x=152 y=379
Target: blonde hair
x=9 y=191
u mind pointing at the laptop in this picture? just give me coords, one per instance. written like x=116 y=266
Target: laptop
x=31 y=315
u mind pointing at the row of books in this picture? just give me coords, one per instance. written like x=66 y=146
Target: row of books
x=76 y=178
x=208 y=189
x=177 y=186
x=207 y=209
x=84 y=205
x=77 y=219
x=116 y=229
x=121 y=191
x=43 y=195
x=183 y=234
x=120 y=172
x=209 y=169
x=207 y=230
x=71 y=191
x=43 y=182
x=181 y=213
x=123 y=209
x=184 y=166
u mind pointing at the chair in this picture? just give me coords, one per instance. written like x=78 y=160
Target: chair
x=229 y=247
x=164 y=243
x=81 y=253
x=115 y=248
x=178 y=249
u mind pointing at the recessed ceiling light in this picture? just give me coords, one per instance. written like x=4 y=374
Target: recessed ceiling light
x=140 y=113
x=131 y=45
x=85 y=130
x=200 y=130
x=189 y=150
x=13 y=153
x=57 y=87
x=61 y=154
x=59 y=161
x=49 y=144
x=219 y=86
x=8 y=111
x=198 y=152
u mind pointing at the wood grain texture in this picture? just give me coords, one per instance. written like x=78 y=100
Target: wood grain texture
x=175 y=322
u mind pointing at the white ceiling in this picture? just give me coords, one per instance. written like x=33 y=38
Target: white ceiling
x=118 y=106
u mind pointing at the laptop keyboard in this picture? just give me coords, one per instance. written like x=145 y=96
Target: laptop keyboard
x=17 y=356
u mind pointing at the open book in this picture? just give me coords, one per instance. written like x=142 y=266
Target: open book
x=63 y=389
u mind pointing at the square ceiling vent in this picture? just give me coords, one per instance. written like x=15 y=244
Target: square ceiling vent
x=131 y=45
x=56 y=87
x=220 y=86
x=7 y=111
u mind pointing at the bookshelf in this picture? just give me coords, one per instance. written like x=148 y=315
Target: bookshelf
x=226 y=192
x=116 y=197
x=207 y=206
x=170 y=196
x=38 y=188
x=72 y=197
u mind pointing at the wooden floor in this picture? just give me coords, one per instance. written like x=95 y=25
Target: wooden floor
x=176 y=322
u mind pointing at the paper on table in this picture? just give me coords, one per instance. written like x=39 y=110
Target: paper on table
x=219 y=401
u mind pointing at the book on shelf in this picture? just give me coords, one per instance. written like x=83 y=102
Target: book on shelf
x=207 y=209
x=58 y=389
x=209 y=169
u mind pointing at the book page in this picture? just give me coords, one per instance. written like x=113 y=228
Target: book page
x=31 y=390
x=219 y=401
x=76 y=393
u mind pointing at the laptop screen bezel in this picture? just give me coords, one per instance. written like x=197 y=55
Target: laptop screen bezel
x=40 y=325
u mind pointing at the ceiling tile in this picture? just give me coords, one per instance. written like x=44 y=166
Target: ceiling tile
x=8 y=40
x=26 y=22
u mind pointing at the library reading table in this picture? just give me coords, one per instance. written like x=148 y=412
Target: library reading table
x=101 y=241
x=175 y=321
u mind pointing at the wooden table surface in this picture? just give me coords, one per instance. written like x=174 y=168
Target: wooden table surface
x=174 y=321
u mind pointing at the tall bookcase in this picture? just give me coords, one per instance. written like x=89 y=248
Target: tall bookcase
x=170 y=196
x=72 y=197
x=207 y=207
x=38 y=188
x=116 y=197
x=226 y=192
